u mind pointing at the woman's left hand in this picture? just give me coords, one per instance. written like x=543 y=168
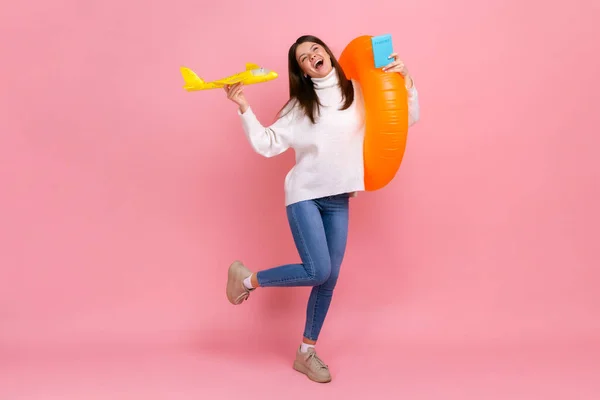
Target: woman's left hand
x=396 y=66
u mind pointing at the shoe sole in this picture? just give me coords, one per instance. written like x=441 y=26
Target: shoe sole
x=232 y=281
x=302 y=369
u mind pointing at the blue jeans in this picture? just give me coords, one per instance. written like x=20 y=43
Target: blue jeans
x=320 y=231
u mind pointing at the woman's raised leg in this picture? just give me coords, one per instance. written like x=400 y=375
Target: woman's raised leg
x=308 y=231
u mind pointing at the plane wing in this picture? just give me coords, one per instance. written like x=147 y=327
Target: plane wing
x=230 y=80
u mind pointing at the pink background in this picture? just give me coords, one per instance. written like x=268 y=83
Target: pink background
x=124 y=199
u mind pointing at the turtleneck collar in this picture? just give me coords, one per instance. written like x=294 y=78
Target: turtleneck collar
x=329 y=80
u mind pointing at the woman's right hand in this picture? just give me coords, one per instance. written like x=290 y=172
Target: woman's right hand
x=235 y=93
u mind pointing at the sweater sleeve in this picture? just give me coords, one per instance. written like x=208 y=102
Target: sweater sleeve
x=268 y=141
x=414 y=110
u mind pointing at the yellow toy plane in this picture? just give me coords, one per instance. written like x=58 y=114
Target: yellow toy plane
x=253 y=74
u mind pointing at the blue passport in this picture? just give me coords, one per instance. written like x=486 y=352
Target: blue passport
x=382 y=50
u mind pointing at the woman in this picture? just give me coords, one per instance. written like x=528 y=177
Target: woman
x=323 y=121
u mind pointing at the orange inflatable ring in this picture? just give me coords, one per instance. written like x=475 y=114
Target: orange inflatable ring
x=386 y=112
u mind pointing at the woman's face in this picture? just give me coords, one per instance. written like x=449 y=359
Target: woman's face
x=313 y=60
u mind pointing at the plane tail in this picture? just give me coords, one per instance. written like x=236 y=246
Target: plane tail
x=190 y=78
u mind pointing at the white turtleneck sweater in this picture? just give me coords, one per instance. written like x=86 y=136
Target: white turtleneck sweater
x=329 y=153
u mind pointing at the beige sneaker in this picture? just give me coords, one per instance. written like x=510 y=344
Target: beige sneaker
x=236 y=291
x=312 y=366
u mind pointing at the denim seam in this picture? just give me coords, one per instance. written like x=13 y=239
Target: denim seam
x=288 y=280
x=312 y=322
